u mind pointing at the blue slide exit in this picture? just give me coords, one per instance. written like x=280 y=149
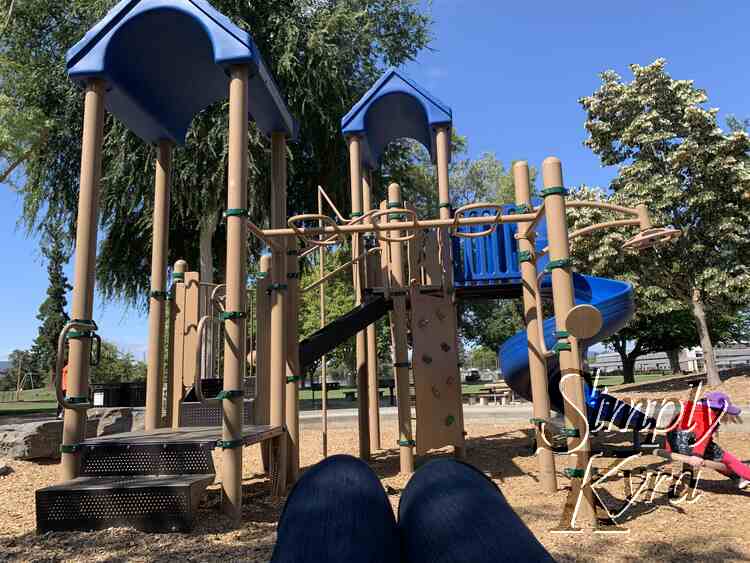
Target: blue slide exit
x=614 y=299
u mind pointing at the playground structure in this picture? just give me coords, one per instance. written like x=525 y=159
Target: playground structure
x=414 y=269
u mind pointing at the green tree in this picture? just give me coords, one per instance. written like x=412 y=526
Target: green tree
x=660 y=323
x=116 y=365
x=490 y=323
x=673 y=155
x=483 y=358
x=52 y=314
x=324 y=56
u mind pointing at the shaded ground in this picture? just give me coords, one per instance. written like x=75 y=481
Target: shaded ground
x=713 y=528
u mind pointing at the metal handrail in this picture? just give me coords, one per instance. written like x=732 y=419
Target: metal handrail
x=459 y=213
x=413 y=226
x=197 y=382
x=60 y=364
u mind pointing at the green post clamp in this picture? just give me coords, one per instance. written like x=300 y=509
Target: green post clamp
x=235 y=212
x=537 y=421
x=160 y=295
x=70 y=448
x=575 y=473
x=356 y=214
x=445 y=205
x=88 y=332
x=77 y=400
x=554 y=190
x=562 y=263
x=277 y=287
x=178 y=276
x=293 y=378
x=407 y=443
x=395 y=205
x=561 y=345
x=570 y=432
x=232 y=315
x=561 y=334
x=229 y=444
x=525 y=256
x=230 y=394
x=521 y=209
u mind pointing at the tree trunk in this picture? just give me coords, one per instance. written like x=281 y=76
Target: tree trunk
x=207 y=231
x=674 y=361
x=712 y=372
x=628 y=369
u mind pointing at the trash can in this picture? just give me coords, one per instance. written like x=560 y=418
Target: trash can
x=106 y=394
x=133 y=394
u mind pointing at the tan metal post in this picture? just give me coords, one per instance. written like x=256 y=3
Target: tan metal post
x=372 y=343
x=178 y=342
x=570 y=362
x=323 y=360
x=235 y=342
x=400 y=344
x=278 y=315
x=85 y=266
x=443 y=146
x=537 y=362
x=159 y=250
x=294 y=373
x=355 y=166
x=262 y=410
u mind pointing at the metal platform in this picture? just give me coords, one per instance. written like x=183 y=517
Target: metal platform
x=151 y=480
x=148 y=503
x=202 y=435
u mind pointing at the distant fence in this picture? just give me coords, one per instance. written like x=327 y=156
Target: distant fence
x=30 y=395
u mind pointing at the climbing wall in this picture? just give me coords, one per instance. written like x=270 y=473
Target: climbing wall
x=437 y=379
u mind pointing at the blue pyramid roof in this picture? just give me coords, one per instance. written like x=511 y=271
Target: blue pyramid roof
x=166 y=60
x=395 y=107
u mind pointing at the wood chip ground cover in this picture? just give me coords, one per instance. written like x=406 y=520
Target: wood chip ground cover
x=713 y=528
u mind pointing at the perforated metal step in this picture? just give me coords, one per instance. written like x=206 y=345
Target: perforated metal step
x=125 y=459
x=147 y=503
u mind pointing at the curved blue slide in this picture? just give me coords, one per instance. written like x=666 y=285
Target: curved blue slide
x=614 y=299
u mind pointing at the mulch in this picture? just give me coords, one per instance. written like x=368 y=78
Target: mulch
x=712 y=527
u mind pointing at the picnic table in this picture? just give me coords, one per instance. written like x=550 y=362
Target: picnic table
x=390 y=384
x=500 y=393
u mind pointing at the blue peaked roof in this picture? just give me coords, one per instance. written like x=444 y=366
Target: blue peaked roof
x=166 y=60
x=395 y=107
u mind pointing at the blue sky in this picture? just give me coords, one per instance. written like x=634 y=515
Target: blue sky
x=512 y=72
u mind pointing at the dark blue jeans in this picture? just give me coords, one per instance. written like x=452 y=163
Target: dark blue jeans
x=449 y=513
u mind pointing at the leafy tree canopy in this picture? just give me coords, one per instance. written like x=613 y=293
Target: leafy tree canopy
x=323 y=54
x=672 y=155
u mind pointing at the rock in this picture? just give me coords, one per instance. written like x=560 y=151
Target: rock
x=5 y=470
x=139 y=420
x=36 y=440
x=115 y=421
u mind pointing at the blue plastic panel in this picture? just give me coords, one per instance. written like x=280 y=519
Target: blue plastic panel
x=492 y=259
x=395 y=107
x=166 y=60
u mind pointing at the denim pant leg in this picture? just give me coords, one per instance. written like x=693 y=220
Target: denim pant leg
x=452 y=513
x=337 y=511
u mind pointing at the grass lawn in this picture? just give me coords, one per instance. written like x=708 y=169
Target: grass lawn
x=43 y=401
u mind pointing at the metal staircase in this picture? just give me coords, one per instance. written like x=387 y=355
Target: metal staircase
x=154 y=487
